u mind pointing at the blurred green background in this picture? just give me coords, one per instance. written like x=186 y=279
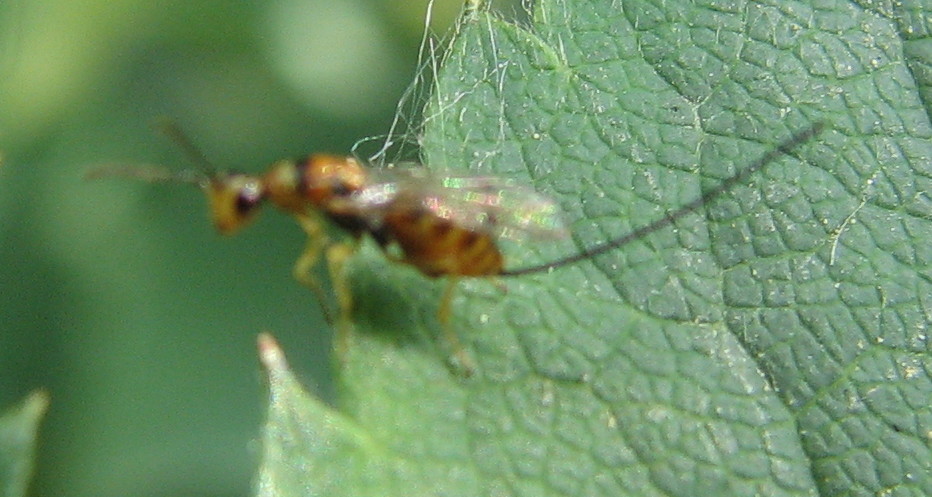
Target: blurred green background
x=117 y=296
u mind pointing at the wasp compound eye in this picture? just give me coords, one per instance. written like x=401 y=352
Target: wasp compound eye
x=233 y=201
x=249 y=196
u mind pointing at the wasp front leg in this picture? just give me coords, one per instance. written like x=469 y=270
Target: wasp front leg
x=304 y=267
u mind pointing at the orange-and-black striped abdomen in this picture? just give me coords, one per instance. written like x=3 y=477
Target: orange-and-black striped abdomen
x=438 y=247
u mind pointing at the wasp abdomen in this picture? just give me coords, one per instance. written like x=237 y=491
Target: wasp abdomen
x=438 y=247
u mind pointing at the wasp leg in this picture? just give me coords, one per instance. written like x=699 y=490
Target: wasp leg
x=461 y=357
x=304 y=266
x=337 y=255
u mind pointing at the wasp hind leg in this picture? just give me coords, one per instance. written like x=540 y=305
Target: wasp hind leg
x=460 y=358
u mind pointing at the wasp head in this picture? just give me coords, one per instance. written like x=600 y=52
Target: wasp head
x=234 y=200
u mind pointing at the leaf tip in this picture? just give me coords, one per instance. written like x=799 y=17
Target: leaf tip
x=270 y=353
x=37 y=403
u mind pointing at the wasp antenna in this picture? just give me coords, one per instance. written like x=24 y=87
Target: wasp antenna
x=147 y=173
x=784 y=148
x=173 y=131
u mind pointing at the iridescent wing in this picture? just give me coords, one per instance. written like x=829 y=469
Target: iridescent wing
x=487 y=204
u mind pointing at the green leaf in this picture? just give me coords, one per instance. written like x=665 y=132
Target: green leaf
x=18 y=431
x=773 y=343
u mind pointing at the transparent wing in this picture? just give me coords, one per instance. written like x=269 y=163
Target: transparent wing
x=488 y=204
